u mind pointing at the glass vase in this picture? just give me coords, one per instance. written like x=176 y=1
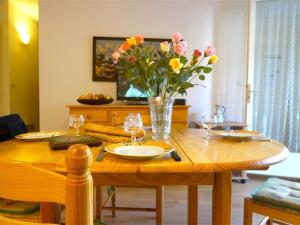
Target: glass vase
x=161 y=116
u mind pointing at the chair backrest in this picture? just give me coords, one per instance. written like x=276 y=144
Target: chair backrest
x=24 y=182
x=10 y=126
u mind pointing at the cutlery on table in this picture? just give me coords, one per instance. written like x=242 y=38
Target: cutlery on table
x=175 y=156
x=101 y=153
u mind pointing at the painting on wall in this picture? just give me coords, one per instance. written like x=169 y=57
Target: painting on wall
x=103 y=67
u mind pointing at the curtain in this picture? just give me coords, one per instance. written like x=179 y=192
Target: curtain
x=276 y=101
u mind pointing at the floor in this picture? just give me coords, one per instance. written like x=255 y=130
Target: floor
x=176 y=204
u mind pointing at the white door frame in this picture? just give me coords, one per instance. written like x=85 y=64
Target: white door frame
x=248 y=101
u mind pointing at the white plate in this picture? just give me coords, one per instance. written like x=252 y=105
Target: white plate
x=42 y=135
x=139 y=151
x=240 y=134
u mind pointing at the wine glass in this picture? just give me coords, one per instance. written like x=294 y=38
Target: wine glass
x=132 y=124
x=76 y=121
x=209 y=122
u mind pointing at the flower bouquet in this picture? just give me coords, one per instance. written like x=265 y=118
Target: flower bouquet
x=162 y=73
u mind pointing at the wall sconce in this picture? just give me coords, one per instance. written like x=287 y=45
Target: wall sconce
x=23 y=34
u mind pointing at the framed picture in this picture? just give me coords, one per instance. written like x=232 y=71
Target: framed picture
x=103 y=67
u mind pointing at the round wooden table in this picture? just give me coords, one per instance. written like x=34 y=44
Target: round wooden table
x=204 y=162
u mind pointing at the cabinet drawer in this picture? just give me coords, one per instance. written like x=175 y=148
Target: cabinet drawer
x=92 y=115
x=118 y=117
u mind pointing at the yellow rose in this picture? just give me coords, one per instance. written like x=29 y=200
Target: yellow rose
x=131 y=41
x=175 y=64
x=213 y=59
x=165 y=46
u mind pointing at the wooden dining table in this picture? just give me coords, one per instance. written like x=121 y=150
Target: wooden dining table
x=204 y=162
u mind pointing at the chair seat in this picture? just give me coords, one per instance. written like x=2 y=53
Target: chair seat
x=279 y=193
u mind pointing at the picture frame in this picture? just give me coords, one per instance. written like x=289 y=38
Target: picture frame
x=103 y=67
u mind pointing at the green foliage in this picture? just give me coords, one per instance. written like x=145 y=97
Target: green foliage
x=207 y=69
x=201 y=77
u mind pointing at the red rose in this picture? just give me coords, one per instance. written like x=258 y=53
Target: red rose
x=197 y=53
x=131 y=58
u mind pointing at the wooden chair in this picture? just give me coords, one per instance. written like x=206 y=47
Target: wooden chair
x=102 y=205
x=118 y=120
x=27 y=183
x=278 y=200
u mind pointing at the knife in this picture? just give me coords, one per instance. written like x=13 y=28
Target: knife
x=175 y=156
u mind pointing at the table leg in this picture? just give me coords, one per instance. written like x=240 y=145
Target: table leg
x=99 y=206
x=47 y=212
x=193 y=204
x=221 y=208
x=159 y=204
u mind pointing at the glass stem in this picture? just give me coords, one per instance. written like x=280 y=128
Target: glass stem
x=133 y=138
x=77 y=132
x=208 y=132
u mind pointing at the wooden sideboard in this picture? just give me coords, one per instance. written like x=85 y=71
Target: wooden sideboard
x=115 y=114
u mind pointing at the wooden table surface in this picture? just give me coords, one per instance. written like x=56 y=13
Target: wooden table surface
x=203 y=162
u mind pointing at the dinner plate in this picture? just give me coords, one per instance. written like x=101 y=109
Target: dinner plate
x=37 y=136
x=239 y=134
x=140 y=152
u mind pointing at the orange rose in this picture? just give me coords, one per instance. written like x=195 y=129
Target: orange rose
x=124 y=47
x=139 y=39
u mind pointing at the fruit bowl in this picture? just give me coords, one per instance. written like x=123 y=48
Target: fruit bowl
x=95 y=101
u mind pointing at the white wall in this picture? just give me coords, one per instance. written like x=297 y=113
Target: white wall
x=66 y=29
x=230 y=36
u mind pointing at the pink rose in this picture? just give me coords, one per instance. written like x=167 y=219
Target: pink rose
x=209 y=51
x=176 y=37
x=121 y=50
x=179 y=48
x=184 y=43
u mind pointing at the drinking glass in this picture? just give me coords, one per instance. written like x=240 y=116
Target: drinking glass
x=209 y=122
x=76 y=121
x=132 y=124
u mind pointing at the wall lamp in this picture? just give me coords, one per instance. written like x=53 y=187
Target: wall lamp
x=23 y=34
